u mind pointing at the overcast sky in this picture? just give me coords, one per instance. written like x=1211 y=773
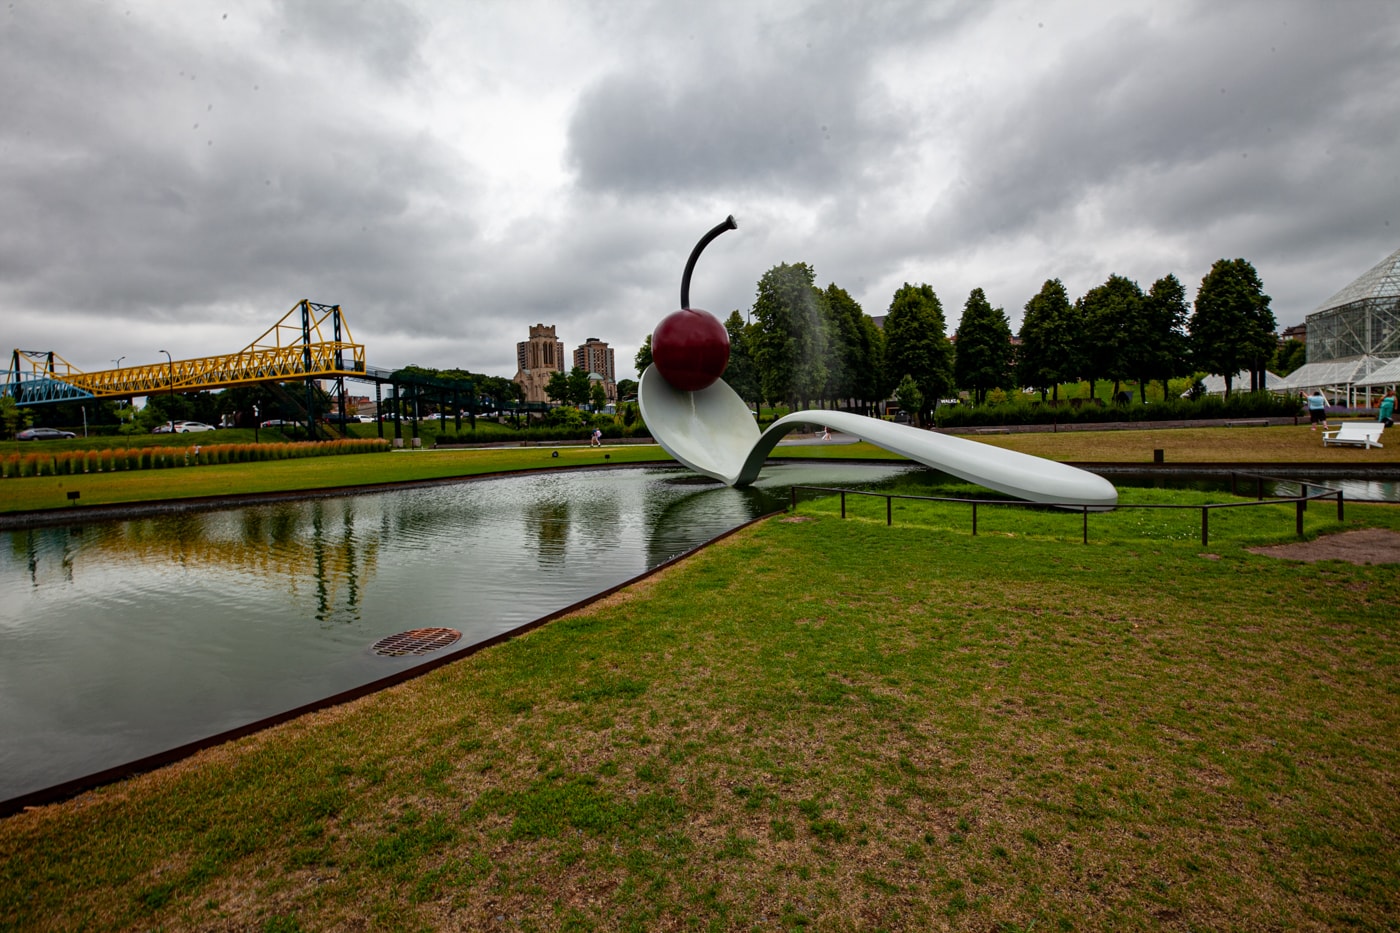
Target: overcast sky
x=178 y=175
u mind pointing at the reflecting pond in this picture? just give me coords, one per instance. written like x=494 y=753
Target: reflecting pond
x=1353 y=489
x=122 y=639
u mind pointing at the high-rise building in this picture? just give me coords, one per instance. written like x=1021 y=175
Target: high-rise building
x=536 y=359
x=595 y=357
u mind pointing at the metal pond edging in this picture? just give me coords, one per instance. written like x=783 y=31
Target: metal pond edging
x=75 y=786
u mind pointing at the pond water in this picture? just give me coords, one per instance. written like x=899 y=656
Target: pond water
x=1353 y=489
x=123 y=639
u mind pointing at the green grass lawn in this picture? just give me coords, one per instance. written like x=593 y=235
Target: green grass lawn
x=817 y=724
x=403 y=466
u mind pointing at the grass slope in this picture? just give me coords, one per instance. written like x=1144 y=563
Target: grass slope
x=50 y=492
x=816 y=723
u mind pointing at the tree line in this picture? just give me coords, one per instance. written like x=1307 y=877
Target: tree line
x=804 y=346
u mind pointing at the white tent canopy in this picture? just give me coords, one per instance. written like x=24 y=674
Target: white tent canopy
x=1215 y=385
x=1387 y=376
x=1339 y=378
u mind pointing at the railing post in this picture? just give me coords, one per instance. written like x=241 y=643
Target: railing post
x=974 y=519
x=1085 y=510
x=1302 y=504
x=889 y=511
x=1339 y=505
x=843 y=503
x=1205 y=525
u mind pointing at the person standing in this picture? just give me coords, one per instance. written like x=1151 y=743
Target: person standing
x=1387 y=412
x=1317 y=409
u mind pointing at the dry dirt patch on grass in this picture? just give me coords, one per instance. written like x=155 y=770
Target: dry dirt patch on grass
x=1366 y=546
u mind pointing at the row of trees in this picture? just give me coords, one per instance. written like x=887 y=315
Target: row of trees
x=573 y=388
x=801 y=344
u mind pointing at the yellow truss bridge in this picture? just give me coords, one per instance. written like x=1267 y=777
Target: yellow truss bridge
x=310 y=341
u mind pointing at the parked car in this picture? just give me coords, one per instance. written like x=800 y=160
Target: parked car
x=181 y=427
x=43 y=434
x=278 y=423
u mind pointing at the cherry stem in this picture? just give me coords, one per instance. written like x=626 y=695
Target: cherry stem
x=729 y=224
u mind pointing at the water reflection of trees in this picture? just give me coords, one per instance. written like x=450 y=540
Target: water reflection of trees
x=676 y=510
x=547 y=527
x=46 y=553
x=564 y=511
x=321 y=543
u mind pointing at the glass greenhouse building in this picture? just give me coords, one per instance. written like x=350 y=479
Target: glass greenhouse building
x=1354 y=338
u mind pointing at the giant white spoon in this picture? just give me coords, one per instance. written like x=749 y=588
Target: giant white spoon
x=710 y=429
x=712 y=432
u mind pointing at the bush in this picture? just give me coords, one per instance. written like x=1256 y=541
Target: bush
x=76 y=462
x=1238 y=405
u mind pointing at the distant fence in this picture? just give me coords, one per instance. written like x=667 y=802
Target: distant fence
x=1300 y=502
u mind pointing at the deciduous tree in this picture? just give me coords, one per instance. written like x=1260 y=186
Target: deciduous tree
x=1232 y=327
x=916 y=344
x=1157 y=346
x=872 y=384
x=790 y=346
x=579 y=387
x=1290 y=355
x=855 y=349
x=1106 y=311
x=982 y=353
x=1048 y=354
x=557 y=388
x=908 y=396
x=742 y=372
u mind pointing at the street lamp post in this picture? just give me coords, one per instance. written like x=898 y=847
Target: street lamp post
x=171 y=362
x=117 y=364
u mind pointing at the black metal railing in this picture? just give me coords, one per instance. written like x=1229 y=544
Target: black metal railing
x=1299 y=502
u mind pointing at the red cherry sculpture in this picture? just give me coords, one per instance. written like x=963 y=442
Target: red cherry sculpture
x=690 y=348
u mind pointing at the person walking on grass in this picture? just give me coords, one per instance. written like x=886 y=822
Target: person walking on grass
x=1317 y=410
x=1387 y=412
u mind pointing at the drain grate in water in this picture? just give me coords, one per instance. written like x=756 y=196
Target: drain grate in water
x=415 y=641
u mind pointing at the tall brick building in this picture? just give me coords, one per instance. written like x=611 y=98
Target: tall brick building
x=595 y=357
x=536 y=359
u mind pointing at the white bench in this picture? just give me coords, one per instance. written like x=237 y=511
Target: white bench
x=1361 y=433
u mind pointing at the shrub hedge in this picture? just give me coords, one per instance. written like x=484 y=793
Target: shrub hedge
x=1238 y=405
x=542 y=434
x=73 y=462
